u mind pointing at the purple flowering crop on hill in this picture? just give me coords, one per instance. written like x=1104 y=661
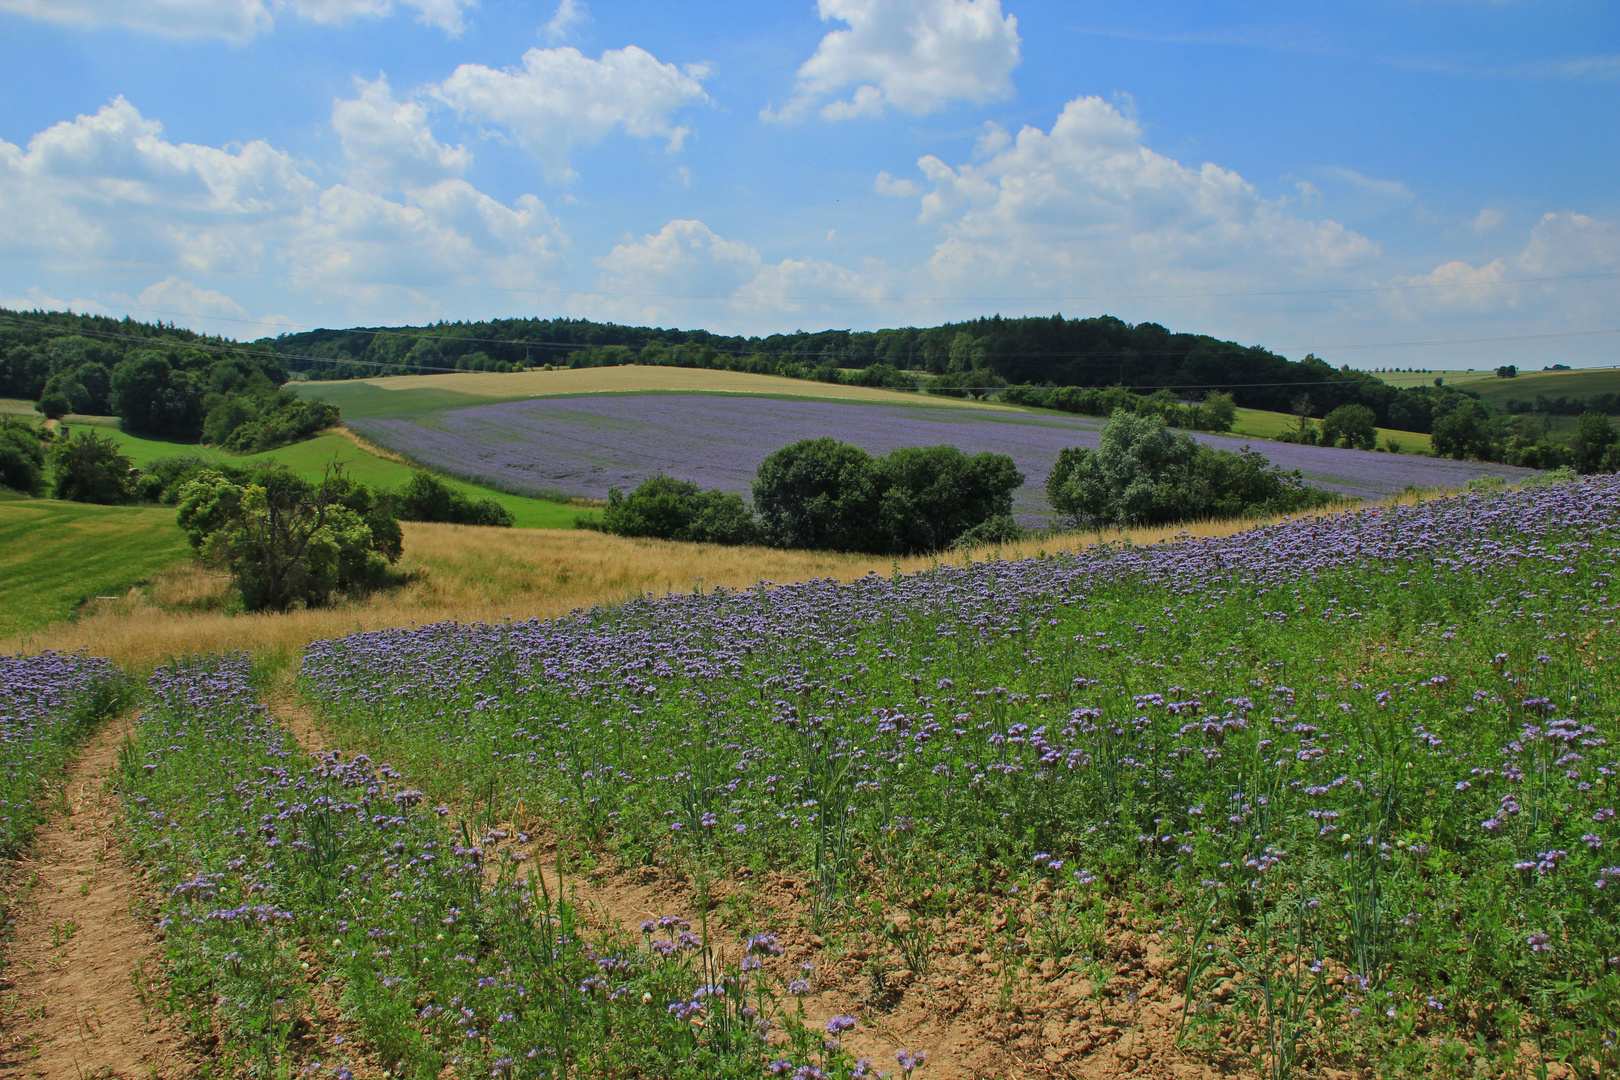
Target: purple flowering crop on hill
x=584 y=446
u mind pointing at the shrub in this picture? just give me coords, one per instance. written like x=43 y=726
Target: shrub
x=1350 y=426
x=932 y=495
x=1144 y=474
x=427 y=498
x=821 y=493
x=1001 y=529
x=53 y=405
x=818 y=493
x=288 y=542
x=671 y=509
x=1594 y=436
x=90 y=468
x=22 y=458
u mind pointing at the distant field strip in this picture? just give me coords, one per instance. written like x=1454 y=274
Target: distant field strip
x=584 y=446
x=402 y=395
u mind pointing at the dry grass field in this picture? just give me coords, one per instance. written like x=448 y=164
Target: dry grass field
x=473 y=387
x=466 y=573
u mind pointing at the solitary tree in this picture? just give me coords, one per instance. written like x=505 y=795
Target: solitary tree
x=90 y=468
x=288 y=542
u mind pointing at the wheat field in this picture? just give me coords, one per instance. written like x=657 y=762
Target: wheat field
x=633 y=378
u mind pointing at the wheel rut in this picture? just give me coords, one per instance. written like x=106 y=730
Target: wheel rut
x=83 y=981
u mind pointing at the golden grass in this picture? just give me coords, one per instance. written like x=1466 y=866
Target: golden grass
x=634 y=377
x=465 y=573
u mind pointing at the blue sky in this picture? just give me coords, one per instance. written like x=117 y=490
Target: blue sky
x=1338 y=177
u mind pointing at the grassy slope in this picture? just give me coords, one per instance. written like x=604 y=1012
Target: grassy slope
x=53 y=555
x=309 y=459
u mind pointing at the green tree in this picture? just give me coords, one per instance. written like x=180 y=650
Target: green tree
x=1350 y=426
x=819 y=493
x=53 y=405
x=425 y=497
x=89 y=468
x=1462 y=431
x=151 y=396
x=22 y=458
x=932 y=495
x=1219 y=411
x=1142 y=473
x=288 y=542
x=1594 y=435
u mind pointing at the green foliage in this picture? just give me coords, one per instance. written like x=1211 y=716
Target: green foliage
x=672 y=509
x=1507 y=371
x=1215 y=413
x=932 y=495
x=992 y=531
x=819 y=493
x=1350 y=426
x=22 y=458
x=288 y=542
x=53 y=405
x=427 y=498
x=90 y=468
x=1144 y=474
x=1592 y=442
x=1462 y=431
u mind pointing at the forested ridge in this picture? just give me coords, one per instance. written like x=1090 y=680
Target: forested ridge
x=997 y=351
x=159 y=379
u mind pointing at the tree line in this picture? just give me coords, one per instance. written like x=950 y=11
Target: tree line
x=988 y=352
x=159 y=380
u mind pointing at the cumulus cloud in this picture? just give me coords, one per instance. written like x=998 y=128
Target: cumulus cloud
x=913 y=55
x=1087 y=205
x=1576 y=249
x=560 y=98
x=686 y=267
x=389 y=143
x=108 y=188
x=233 y=20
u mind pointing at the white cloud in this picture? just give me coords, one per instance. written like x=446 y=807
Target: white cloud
x=191 y=304
x=569 y=14
x=1578 y=250
x=1487 y=219
x=913 y=55
x=106 y=195
x=900 y=189
x=233 y=20
x=686 y=267
x=559 y=99
x=1087 y=207
x=389 y=142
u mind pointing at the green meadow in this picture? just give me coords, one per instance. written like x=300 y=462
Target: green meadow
x=56 y=555
x=310 y=459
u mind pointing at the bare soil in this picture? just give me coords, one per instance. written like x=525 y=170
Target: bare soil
x=83 y=986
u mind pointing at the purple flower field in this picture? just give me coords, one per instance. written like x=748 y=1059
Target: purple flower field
x=584 y=446
x=1384 y=740
x=46 y=702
